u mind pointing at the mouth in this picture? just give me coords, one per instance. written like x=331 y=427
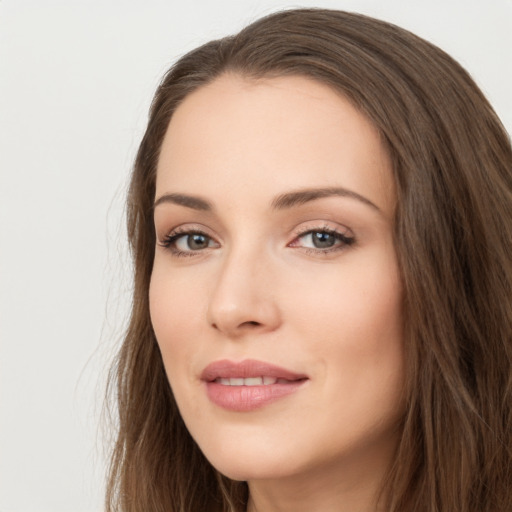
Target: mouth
x=249 y=384
x=250 y=381
x=246 y=371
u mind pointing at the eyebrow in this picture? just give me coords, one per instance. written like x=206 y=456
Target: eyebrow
x=194 y=202
x=300 y=197
x=281 y=202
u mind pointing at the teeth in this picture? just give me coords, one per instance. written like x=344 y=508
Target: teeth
x=250 y=381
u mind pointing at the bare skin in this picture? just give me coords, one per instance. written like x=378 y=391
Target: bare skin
x=273 y=216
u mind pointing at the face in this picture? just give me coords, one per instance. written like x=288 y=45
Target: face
x=275 y=295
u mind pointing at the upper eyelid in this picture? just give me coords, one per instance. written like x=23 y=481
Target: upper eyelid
x=329 y=229
x=331 y=226
x=301 y=230
x=186 y=228
x=341 y=234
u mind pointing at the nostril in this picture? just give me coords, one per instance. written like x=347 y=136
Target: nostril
x=249 y=324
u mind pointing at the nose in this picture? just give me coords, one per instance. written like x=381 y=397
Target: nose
x=243 y=299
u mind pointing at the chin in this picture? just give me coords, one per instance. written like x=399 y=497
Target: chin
x=252 y=463
x=245 y=471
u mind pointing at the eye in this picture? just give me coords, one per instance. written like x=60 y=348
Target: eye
x=187 y=242
x=323 y=240
x=319 y=239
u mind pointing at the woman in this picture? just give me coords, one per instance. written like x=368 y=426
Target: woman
x=320 y=215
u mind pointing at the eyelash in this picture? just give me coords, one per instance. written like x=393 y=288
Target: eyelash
x=343 y=240
x=169 y=241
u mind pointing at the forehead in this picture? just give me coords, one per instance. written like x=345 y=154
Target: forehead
x=292 y=132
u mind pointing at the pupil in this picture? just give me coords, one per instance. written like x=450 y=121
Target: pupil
x=321 y=240
x=197 y=242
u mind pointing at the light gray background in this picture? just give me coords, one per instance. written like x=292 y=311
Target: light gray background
x=76 y=79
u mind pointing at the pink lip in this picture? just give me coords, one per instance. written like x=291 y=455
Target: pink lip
x=247 y=398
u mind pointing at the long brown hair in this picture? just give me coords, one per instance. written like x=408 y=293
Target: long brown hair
x=452 y=163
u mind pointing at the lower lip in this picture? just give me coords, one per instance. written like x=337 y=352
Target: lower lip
x=249 y=398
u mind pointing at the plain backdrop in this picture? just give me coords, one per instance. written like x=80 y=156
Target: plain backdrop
x=76 y=80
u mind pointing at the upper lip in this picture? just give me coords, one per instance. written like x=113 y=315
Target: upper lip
x=225 y=369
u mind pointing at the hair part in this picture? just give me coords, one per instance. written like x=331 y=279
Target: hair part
x=452 y=164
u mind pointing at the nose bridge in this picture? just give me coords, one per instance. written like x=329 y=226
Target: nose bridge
x=242 y=297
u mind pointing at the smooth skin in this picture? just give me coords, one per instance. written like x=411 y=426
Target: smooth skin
x=248 y=266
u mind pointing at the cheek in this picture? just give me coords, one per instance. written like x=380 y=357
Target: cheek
x=357 y=303
x=174 y=316
x=174 y=310
x=353 y=322
x=174 y=299
x=164 y=310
